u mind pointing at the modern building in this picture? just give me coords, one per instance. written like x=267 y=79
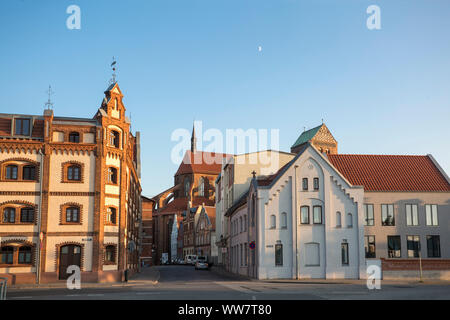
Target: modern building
x=69 y=195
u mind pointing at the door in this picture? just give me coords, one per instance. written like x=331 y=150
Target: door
x=69 y=255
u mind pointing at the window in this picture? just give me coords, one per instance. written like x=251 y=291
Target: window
x=201 y=187
x=344 y=254
x=22 y=127
x=278 y=254
x=29 y=173
x=368 y=215
x=387 y=215
x=27 y=215
x=245 y=254
x=11 y=172
x=111 y=215
x=241 y=227
x=369 y=245
x=25 y=255
x=317 y=215
x=9 y=215
x=431 y=215
x=305 y=184
x=338 y=219
x=349 y=220
x=283 y=222
x=245 y=222
x=110 y=254
x=394 y=247
x=187 y=186
x=112 y=175
x=74 y=173
x=73 y=214
x=413 y=246
x=433 y=246
x=74 y=137
x=7 y=255
x=316 y=183
x=412 y=215
x=114 y=138
x=273 y=222
x=304 y=215
x=253 y=210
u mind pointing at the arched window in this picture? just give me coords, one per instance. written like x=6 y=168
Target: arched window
x=29 y=173
x=201 y=187
x=7 y=255
x=74 y=173
x=111 y=215
x=27 y=215
x=338 y=219
x=349 y=220
x=187 y=186
x=11 y=172
x=73 y=214
x=283 y=222
x=25 y=255
x=112 y=175
x=74 y=137
x=110 y=254
x=9 y=215
x=114 y=139
x=273 y=222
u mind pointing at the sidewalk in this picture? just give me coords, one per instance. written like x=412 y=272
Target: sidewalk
x=147 y=276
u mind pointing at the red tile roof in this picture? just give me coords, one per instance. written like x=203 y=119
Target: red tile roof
x=390 y=172
x=201 y=162
x=176 y=205
x=268 y=180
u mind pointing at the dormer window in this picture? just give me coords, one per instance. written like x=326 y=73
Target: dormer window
x=22 y=127
x=74 y=137
x=114 y=138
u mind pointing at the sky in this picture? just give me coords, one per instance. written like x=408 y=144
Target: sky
x=279 y=64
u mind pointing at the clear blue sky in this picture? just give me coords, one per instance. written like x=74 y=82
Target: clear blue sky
x=380 y=92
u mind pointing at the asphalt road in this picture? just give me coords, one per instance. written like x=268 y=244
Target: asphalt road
x=185 y=283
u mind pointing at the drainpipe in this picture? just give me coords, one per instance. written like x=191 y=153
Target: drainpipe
x=38 y=260
x=296 y=222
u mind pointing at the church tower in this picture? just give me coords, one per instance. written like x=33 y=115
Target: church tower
x=320 y=137
x=193 y=140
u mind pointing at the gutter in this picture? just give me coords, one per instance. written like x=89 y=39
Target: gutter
x=38 y=261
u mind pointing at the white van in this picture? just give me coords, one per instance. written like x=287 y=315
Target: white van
x=191 y=259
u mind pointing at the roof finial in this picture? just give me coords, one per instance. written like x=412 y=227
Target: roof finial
x=193 y=139
x=113 y=65
x=49 y=103
x=254 y=174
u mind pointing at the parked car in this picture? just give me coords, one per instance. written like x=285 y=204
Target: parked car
x=202 y=263
x=191 y=259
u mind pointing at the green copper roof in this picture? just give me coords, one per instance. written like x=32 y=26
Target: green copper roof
x=306 y=136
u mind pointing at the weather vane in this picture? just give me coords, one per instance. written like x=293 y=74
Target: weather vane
x=49 y=103
x=113 y=65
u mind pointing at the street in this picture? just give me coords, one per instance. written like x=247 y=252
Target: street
x=185 y=283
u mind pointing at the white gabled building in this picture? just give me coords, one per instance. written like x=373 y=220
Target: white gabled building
x=307 y=221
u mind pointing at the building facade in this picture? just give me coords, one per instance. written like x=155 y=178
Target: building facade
x=69 y=195
x=147 y=253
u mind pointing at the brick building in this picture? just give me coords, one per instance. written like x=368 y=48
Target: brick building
x=69 y=195
x=147 y=235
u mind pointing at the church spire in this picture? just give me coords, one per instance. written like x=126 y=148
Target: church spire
x=193 y=140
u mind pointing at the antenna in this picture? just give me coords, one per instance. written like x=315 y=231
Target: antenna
x=49 y=103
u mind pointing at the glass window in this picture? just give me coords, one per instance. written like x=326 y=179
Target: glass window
x=7 y=255
x=74 y=173
x=412 y=215
x=11 y=172
x=73 y=214
x=394 y=247
x=278 y=254
x=349 y=220
x=338 y=219
x=111 y=215
x=368 y=215
x=283 y=222
x=25 y=255
x=317 y=215
x=29 y=173
x=74 y=137
x=412 y=244
x=9 y=215
x=187 y=186
x=344 y=254
x=27 y=215
x=112 y=175
x=22 y=127
x=305 y=184
x=431 y=215
x=114 y=138
x=110 y=254
x=273 y=221
x=201 y=187
x=387 y=215
x=369 y=245
x=304 y=215
x=316 y=183
x=433 y=246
